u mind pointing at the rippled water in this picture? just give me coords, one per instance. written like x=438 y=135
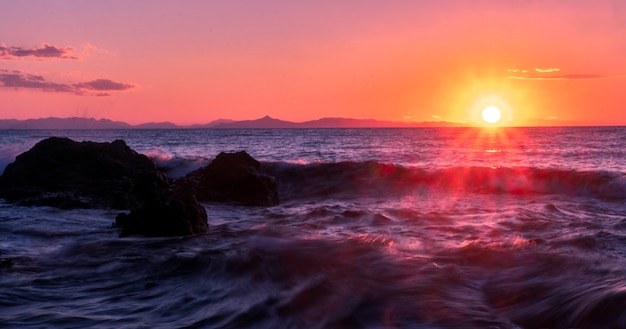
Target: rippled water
x=380 y=228
x=581 y=148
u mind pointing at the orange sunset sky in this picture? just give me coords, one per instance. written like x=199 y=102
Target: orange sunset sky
x=540 y=62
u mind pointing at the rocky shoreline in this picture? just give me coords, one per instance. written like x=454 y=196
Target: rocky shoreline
x=62 y=173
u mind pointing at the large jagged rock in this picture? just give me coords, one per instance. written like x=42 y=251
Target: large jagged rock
x=60 y=172
x=233 y=177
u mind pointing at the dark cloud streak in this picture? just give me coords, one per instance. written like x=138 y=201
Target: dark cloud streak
x=103 y=84
x=45 y=51
x=20 y=80
x=30 y=81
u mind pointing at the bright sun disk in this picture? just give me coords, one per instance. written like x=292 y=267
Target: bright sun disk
x=491 y=114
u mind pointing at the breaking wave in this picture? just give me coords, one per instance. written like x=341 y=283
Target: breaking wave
x=300 y=179
x=176 y=167
x=372 y=178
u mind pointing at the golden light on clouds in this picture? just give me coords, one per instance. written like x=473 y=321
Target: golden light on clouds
x=547 y=70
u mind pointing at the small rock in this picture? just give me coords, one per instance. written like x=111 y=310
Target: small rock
x=233 y=177
x=177 y=214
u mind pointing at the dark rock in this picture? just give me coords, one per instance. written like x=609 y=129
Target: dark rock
x=62 y=173
x=6 y=262
x=178 y=213
x=233 y=177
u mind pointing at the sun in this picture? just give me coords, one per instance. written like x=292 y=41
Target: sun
x=491 y=114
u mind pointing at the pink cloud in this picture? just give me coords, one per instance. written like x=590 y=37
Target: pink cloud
x=19 y=80
x=103 y=84
x=45 y=51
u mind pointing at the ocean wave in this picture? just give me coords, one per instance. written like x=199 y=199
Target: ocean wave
x=176 y=167
x=301 y=179
x=328 y=264
x=371 y=178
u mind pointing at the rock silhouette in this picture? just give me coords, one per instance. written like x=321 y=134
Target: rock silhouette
x=174 y=214
x=66 y=174
x=63 y=173
x=60 y=172
x=233 y=177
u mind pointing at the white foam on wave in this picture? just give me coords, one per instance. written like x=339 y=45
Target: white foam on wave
x=174 y=166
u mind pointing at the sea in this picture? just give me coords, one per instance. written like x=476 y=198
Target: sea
x=376 y=228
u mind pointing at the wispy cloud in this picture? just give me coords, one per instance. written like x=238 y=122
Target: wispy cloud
x=409 y=116
x=548 y=73
x=88 y=49
x=436 y=117
x=20 y=80
x=31 y=81
x=43 y=52
x=562 y=77
x=547 y=70
x=103 y=84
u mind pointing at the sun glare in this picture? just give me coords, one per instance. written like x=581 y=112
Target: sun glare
x=491 y=114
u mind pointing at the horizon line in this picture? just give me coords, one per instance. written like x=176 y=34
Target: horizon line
x=219 y=123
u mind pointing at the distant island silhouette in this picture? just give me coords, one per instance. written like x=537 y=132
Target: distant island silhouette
x=264 y=122
x=261 y=123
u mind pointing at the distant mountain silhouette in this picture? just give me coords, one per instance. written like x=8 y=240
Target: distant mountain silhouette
x=264 y=122
x=369 y=123
x=63 y=123
x=210 y=124
x=269 y=122
x=156 y=125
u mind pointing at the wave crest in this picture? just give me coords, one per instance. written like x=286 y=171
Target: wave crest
x=371 y=178
x=177 y=167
